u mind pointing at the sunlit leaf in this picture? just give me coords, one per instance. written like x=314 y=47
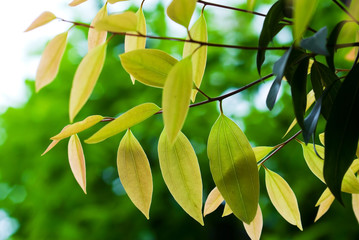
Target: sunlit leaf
x=213 y=201
x=303 y=12
x=234 y=168
x=180 y=170
x=135 y=172
x=77 y=161
x=176 y=97
x=52 y=144
x=181 y=11
x=41 y=20
x=76 y=2
x=123 y=22
x=148 y=66
x=261 y=152
x=227 y=210
x=115 y=1
x=283 y=198
x=355 y=204
x=324 y=207
x=50 y=61
x=126 y=120
x=325 y=195
x=254 y=229
x=314 y=163
x=350 y=183
x=199 y=58
x=85 y=79
x=321 y=138
x=355 y=166
x=96 y=37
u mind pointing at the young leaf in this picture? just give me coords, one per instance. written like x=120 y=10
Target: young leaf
x=126 y=120
x=342 y=132
x=317 y=43
x=123 y=22
x=134 y=43
x=355 y=204
x=96 y=37
x=227 y=210
x=50 y=61
x=283 y=198
x=41 y=20
x=74 y=128
x=314 y=163
x=181 y=11
x=52 y=144
x=77 y=161
x=261 y=152
x=85 y=78
x=254 y=229
x=234 y=168
x=180 y=170
x=76 y=2
x=135 y=172
x=324 y=207
x=176 y=97
x=199 y=58
x=148 y=66
x=213 y=201
x=303 y=12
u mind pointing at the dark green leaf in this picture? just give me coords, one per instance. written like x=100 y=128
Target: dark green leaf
x=296 y=56
x=332 y=40
x=310 y=122
x=317 y=43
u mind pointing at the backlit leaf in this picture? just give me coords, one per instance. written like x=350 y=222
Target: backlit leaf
x=180 y=170
x=123 y=22
x=76 y=2
x=77 y=161
x=41 y=20
x=350 y=183
x=181 y=11
x=85 y=78
x=50 y=61
x=126 y=120
x=115 y=1
x=325 y=195
x=96 y=37
x=254 y=229
x=148 y=66
x=355 y=204
x=135 y=172
x=227 y=210
x=52 y=144
x=324 y=207
x=176 y=97
x=321 y=138
x=283 y=198
x=314 y=163
x=303 y=12
x=234 y=168
x=213 y=201
x=261 y=152
x=250 y=4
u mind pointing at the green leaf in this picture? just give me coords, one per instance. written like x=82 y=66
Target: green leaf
x=176 y=97
x=332 y=40
x=355 y=204
x=85 y=78
x=77 y=161
x=254 y=229
x=96 y=37
x=342 y=133
x=213 y=201
x=123 y=22
x=317 y=43
x=181 y=11
x=135 y=172
x=126 y=120
x=250 y=4
x=303 y=12
x=234 y=168
x=148 y=66
x=41 y=20
x=283 y=198
x=180 y=170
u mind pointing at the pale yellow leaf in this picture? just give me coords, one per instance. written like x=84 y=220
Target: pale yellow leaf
x=125 y=121
x=254 y=229
x=50 y=61
x=199 y=58
x=115 y=1
x=123 y=22
x=148 y=66
x=227 y=210
x=76 y=2
x=324 y=207
x=303 y=12
x=314 y=163
x=41 y=20
x=261 y=152
x=74 y=128
x=85 y=78
x=96 y=37
x=325 y=195
x=180 y=170
x=350 y=183
x=135 y=172
x=181 y=11
x=213 y=201
x=77 y=161
x=52 y=144
x=283 y=198
x=355 y=204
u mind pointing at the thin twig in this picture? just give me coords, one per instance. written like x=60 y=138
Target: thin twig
x=346 y=11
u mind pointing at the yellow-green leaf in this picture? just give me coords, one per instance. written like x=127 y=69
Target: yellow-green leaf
x=50 y=61
x=283 y=198
x=355 y=166
x=321 y=138
x=123 y=22
x=41 y=20
x=314 y=163
x=176 y=97
x=350 y=183
x=180 y=170
x=254 y=229
x=74 y=128
x=52 y=144
x=355 y=204
x=303 y=12
x=181 y=11
x=325 y=195
x=234 y=168
x=76 y=2
x=135 y=172
x=250 y=4
x=96 y=37
x=148 y=66
x=324 y=207
x=227 y=210
x=115 y=1
x=213 y=201
x=85 y=78
x=134 y=43
x=126 y=120
x=261 y=152
x=77 y=161
x=199 y=58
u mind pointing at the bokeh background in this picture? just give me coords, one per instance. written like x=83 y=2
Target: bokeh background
x=40 y=199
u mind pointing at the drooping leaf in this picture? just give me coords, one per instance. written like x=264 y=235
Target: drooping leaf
x=332 y=40
x=342 y=132
x=77 y=161
x=324 y=207
x=50 y=61
x=199 y=58
x=123 y=22
x=261 y=152
x=181 y=11
x=41 y=20
x=74 y=128
x=227 y=210
x=180 y=170
x=76 y=2
x=213 y=201
x=234 y=168
x=314 y=163
x=317 y=43
x=303 y=12
x=115 y=1
x=126 y=120
x=148 y=66
x=51 y=146
x=283 y=198
x=311 y=121
x=85 y=78
x=355 y=204
x=96 y=37
x=135 y=172
x=254 y=229
x=176 y=97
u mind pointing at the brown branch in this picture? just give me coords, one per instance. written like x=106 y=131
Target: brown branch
x=346 y=11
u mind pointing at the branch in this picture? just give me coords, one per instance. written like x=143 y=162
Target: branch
x=346 y=11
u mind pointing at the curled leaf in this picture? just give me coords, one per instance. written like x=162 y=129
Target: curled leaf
x=213 y=201
x=96 y=37
x=254 y=229
x=123 y=22
x=181 y=11
x=77 y=161
x=41 y=20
